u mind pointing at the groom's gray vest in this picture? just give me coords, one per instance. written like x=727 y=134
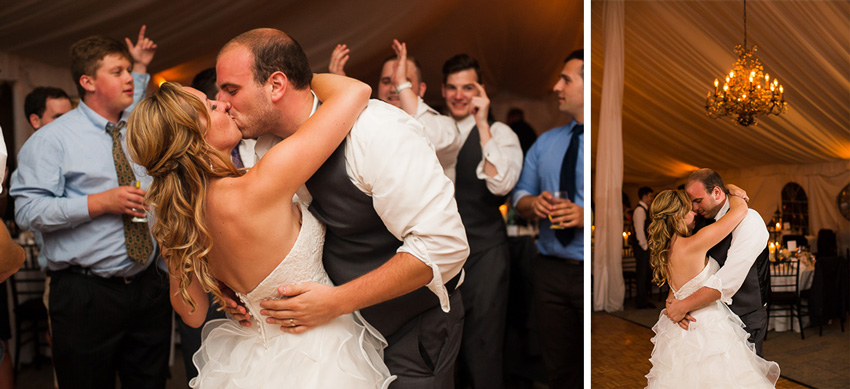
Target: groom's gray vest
x=753 y=292
x=357 y=242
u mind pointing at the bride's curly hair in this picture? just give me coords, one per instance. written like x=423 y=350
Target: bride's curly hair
x=165 y=135
x=668 y=213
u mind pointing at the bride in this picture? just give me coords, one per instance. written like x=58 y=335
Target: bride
x=714 y=351
x=215 y=223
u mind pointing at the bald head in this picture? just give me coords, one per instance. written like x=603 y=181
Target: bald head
x=274 y=51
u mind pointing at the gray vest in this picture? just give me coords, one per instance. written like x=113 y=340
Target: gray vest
x=478 y=208
x=357 y=242
x=753 y=292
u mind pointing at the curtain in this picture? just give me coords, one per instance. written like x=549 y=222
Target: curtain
x=608 y=287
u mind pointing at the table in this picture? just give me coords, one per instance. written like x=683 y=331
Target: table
x=806 y=276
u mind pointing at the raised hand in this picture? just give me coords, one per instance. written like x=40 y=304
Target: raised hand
x=142 y=51
x=400 y=72
x=480 y=104
x=338 y=59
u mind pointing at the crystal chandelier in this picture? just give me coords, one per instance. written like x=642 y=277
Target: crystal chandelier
x=747 y=91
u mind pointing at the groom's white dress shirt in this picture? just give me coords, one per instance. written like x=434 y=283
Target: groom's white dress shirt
x=443 y=133
x=749 y=239
x=388 y=158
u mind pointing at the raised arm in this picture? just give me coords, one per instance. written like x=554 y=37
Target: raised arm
x=301 y=154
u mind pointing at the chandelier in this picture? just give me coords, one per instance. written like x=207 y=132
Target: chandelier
x=747 y=91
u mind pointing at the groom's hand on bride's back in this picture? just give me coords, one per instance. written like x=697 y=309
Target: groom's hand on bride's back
x=304 y=306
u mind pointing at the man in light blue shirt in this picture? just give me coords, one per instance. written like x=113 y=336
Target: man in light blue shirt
x=110 y=313
x=556 y=163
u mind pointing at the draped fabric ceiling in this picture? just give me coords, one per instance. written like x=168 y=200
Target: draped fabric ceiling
x=671 y=53
x=520 y=45
x=675 y=49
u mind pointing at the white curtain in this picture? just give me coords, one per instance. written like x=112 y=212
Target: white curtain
x=608 y=287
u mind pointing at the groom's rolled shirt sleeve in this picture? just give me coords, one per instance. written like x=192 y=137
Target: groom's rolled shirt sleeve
x=398 y=168
x=749 y=239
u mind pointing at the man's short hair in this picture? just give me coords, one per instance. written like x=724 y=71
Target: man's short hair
x=87 y=55
x=709 y=178
x=205 y=82
x=36 y=101
x=273 y=51
x=579 y=55
x=643 y=191
x=409 y=58
x=460 y=63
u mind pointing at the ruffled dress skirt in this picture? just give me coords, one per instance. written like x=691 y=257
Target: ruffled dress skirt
x=340 y=354
x=713 y=353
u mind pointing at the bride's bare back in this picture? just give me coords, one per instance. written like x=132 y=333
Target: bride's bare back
x=250 y=237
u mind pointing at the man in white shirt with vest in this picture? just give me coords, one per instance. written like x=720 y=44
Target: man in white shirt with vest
x=488 y=166
x=394 y=245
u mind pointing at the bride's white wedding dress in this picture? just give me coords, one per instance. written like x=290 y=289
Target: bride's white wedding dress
x=713 y=353
x=344 y=353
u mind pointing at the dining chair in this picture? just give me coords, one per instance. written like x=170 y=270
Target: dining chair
x=783 y=300
x=27 y=287
x=826 y=243
x=825 y=298
x=800 y=239
x=629 y=272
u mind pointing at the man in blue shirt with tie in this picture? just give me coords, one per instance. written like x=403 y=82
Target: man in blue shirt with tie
x=109 y=306
x=555 y=163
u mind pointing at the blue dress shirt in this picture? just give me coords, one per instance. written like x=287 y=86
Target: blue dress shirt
x=542 y=172
x=59 y=166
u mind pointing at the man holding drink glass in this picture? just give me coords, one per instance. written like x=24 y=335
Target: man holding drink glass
x=551 y=189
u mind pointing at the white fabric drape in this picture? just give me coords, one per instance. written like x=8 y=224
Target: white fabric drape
x=608 y=287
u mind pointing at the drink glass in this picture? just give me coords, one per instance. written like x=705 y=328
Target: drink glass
x=560 y=196
x=138 y=219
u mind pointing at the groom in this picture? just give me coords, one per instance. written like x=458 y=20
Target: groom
x=395 y=245
x=742 y=255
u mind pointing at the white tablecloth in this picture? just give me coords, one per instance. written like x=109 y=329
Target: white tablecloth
x=806 y=276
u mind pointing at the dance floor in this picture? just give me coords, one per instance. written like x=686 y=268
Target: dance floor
x=620 y=353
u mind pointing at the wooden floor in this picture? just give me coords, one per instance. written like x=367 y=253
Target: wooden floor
x=620 y=353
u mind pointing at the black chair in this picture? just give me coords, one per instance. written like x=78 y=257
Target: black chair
x=800 y=239
x=30 y=315
x=784 y=291
x=826 y=300
x=827 y=246
x=629 y=270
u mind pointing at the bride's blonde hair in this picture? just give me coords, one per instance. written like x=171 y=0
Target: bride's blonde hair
x=668 y=213
x=165 y=135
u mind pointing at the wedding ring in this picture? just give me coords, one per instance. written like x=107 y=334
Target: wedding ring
x=291 y=323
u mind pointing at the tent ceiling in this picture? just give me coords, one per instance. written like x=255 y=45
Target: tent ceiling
x=519 y=44
x=675 y=49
